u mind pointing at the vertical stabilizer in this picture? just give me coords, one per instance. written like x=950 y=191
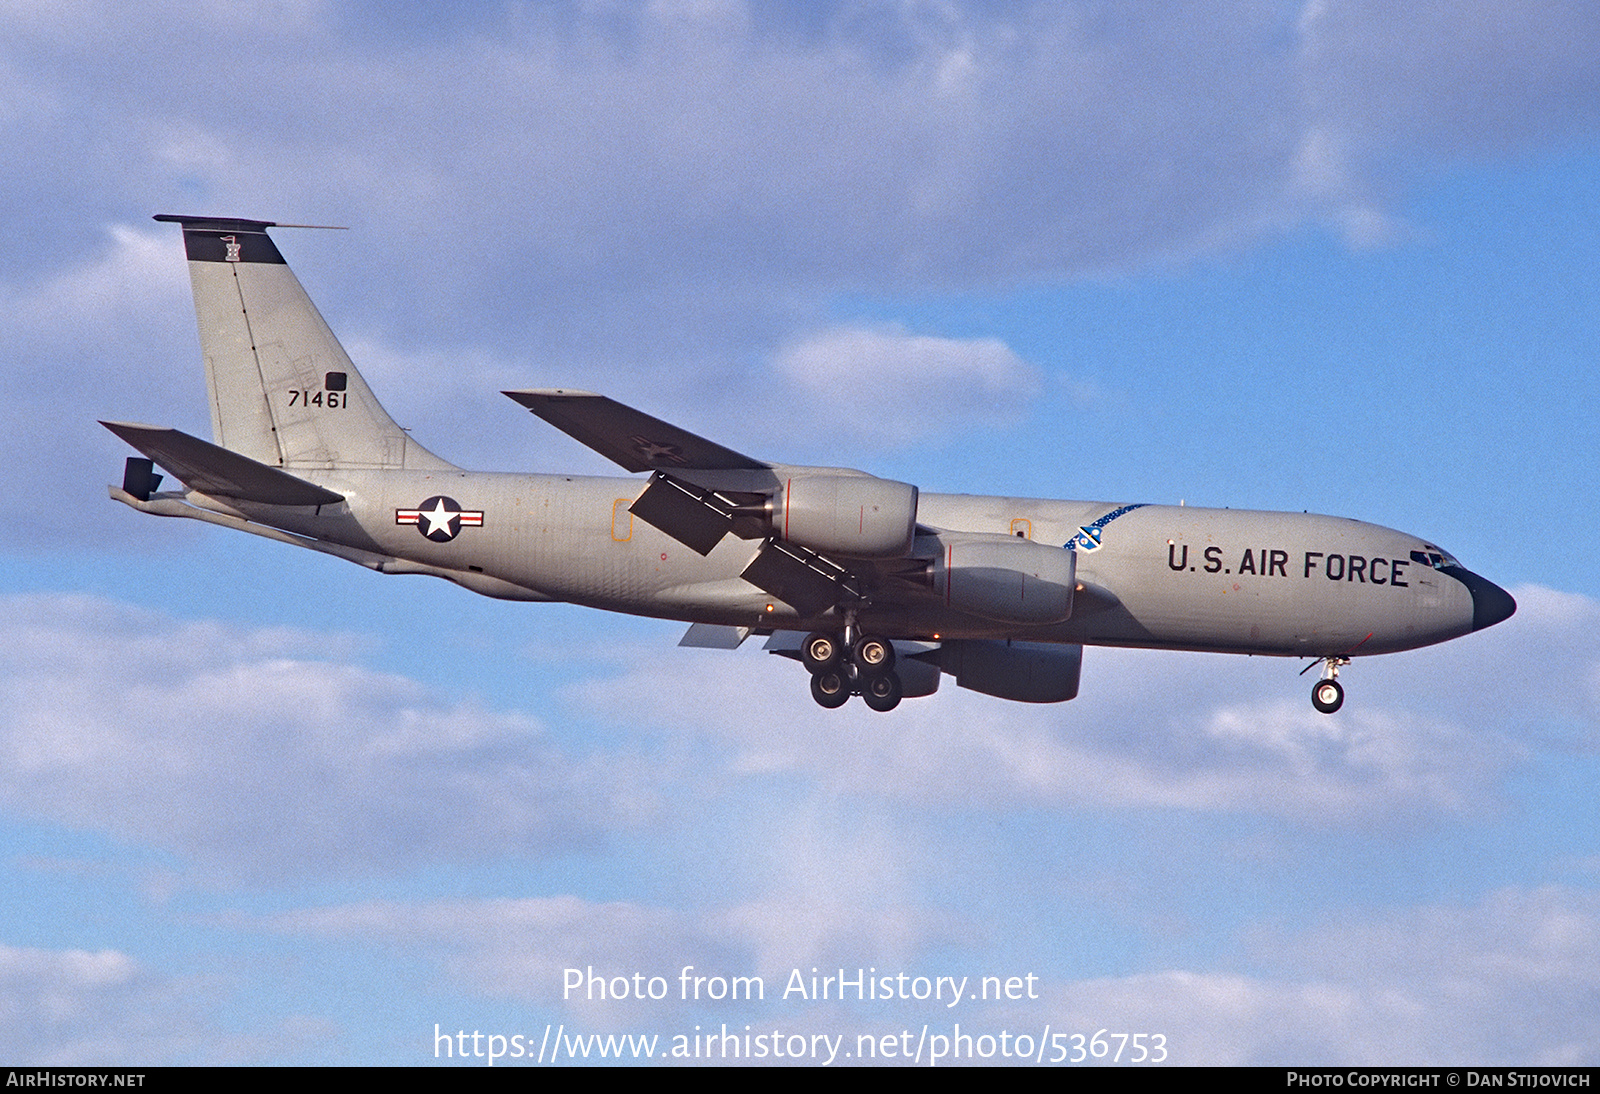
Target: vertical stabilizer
x=283 y=391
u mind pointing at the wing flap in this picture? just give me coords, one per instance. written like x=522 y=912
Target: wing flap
x=799 y=577
x=217 y=471
x=684 y=515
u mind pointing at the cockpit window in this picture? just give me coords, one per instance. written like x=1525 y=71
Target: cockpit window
x=1433 y=556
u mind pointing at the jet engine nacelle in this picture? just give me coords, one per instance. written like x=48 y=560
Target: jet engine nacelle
x=1027 y=672
x=858 y=516
x=1004 y=578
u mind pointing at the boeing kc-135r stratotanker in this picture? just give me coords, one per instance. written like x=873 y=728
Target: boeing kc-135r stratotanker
x=874 y=586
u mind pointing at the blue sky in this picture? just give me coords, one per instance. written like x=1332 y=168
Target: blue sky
x=260 y=807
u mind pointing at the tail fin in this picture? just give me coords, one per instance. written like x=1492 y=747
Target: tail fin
x=283 y=391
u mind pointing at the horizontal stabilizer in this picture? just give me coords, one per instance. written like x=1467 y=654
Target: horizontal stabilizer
x=210 y=469
x=626 y=436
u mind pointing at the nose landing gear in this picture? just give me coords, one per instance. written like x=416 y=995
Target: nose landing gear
x=1327 y=694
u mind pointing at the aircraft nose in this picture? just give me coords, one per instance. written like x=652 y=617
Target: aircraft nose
x=1490 y=603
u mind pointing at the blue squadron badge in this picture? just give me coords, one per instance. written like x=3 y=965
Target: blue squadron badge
x=1088 y=537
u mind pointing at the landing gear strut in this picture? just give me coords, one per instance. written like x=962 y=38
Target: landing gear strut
x=1327 y=695
x=868 y=670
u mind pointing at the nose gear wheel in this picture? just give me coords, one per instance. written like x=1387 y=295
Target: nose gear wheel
x=1327 y=694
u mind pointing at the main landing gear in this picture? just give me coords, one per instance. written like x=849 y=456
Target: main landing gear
x=1327 y=695
x=867 y=670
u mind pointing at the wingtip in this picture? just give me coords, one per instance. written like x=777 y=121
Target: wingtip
x=122 y=429
x=531 y=397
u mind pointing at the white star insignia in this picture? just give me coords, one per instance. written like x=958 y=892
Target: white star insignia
x=438 y=518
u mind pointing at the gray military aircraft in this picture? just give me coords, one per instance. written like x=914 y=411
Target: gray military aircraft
x=875 y=587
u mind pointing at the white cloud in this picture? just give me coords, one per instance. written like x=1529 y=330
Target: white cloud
x=1504 y=981
x=1465 y=78
x=1537 y=671
x=77 y=1008
x=94 y=338
x=818 y=885
x=890 y=386
x=654 y=199
x=567 y=952
x=82 y=1009
x=838 y=886
x=1136 y=737
x=668 y=147
x=1427 y=733
x=117 y=283
x=252 y=755
x=141 y=271
x=1549 y=936
x=521 y=948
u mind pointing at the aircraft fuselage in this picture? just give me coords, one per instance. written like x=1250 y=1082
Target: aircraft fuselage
x=1177 y=577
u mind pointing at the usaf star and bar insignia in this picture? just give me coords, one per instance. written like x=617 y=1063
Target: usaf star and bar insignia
x=440 y=518
x=656 y=453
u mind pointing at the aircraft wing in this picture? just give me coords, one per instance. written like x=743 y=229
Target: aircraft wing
x=828 y=532
x=217 y=471
x=629 y=437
